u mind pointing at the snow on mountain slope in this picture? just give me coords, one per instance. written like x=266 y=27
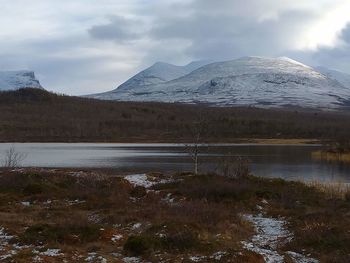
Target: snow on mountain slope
x=158 y=73
x=253 y=81
x=13 y=80
x=341 y=77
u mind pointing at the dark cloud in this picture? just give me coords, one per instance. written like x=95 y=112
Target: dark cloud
x=345 y=35
x=118 y=29
x=222 y=36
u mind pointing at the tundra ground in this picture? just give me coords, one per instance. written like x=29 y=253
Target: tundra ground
x=85 y=216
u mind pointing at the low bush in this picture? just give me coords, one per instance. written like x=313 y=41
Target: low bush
x=45 y=233
x=179 y=240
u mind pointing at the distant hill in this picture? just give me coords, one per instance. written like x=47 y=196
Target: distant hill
x=35 y=115
x=248 y=81
x=13 y=80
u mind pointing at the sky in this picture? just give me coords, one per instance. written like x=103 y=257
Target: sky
x=89 y=46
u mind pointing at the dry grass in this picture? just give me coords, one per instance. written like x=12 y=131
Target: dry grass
x=331 y=157
x=332 y=190
x=80 y=212
x=87 y=209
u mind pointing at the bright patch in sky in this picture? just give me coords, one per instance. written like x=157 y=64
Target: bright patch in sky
x=325 y=31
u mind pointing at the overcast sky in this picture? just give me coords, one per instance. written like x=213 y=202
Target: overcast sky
x=88 y=46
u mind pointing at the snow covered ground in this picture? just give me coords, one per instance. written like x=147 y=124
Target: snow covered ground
x=8 y=249
x=270 y=234
x=144 y=180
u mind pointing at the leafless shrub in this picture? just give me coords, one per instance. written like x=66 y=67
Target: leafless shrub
x=13 y=158
x=198 y=129
x=233 y=166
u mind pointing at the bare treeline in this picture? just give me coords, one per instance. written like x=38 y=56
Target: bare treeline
x=40 y=116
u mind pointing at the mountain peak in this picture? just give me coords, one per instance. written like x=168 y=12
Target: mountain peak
x=13 y=80
x=253 y=81
x=161 y=64
x=293 y=61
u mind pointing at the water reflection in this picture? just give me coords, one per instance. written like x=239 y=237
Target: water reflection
x=285 y=161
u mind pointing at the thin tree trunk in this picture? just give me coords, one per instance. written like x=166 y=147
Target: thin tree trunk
x=196 y=164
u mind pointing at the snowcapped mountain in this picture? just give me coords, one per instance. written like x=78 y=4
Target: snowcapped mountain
x=248 y=81
x=13 y=80
x=158 y=73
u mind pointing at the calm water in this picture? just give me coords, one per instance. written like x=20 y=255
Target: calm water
x=289 y=162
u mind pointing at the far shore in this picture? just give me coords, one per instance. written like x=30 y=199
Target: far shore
x=253 y=141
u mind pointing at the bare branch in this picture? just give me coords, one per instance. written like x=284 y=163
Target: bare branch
x=13 y=159
x=233 y=166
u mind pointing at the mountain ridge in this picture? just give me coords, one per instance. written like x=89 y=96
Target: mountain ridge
x=247 y=81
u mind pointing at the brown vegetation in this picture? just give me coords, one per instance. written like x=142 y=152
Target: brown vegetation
x=82 y=213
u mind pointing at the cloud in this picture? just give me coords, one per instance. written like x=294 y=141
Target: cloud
x=234 y=28
x=119 y=29
x=345 y=35
x=225 y=37
x=81 y=46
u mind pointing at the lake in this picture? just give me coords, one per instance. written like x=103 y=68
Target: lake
x=290 y=162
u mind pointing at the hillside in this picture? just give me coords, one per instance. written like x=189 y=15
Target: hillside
x=248 y=81
x=40 y=116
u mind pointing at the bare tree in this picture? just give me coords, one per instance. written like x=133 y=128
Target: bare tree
x=13 y=159
x=198 y=131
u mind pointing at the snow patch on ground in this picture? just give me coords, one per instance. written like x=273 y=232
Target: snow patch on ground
x=139 y=180
x=5 y=251
x=8 y=255
x=143 y=180
x=75 y=202
x=218 y=255
x=270 y=234
x=9 y=249
x=197 y=258
x=300 y=258
x=132 y=260
x=116 y=237
x=168 y=199
x=93 y=257
x=52 y=253
x=136 y=226
x=4 y=238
